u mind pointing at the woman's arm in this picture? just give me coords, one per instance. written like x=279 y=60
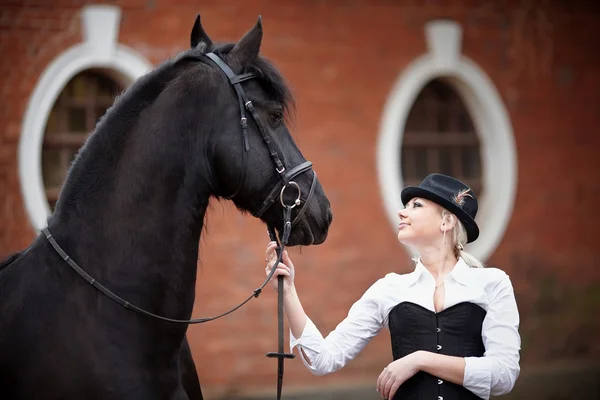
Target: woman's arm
x=496 y=372
x=296 y=318
x=294 y=312
x=292 y=307
x=325 y=355
x=447 y=368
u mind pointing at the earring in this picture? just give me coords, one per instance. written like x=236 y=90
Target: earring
x=444 y=238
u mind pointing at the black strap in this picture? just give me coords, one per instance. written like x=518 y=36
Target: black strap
x=235 y=81
x=272 y=196
x=245 y=102
x=286 y=178
x=281 y=355
x=139 y=310
x=310 y=194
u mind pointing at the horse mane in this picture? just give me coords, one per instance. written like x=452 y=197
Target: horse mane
x=123 y=114
x=111 y=131
x=129 y=104
x=4 y=263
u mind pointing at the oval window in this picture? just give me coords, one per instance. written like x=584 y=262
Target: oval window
x=439 y=136
x=85 y=99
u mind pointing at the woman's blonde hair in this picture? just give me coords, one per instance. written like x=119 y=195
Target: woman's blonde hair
x=458 y=239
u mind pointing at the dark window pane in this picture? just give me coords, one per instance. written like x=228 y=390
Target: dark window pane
x=421 y=163
x=471 y=163
x=100 y=111
x=52 y=171
x=446 y=161
x=465 y=123
x=74 y=115
x=53 y=123
x=439 y=136
x=77 y=120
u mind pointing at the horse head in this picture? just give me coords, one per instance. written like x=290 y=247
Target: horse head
x=251 y=152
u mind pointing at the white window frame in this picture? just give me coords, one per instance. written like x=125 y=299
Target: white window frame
x=490 y=116
x=99 y=49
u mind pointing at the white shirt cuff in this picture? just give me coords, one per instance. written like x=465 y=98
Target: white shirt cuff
x=311 y=343
x=478 y=376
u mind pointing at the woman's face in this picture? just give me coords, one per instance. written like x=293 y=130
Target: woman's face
x=420 y=223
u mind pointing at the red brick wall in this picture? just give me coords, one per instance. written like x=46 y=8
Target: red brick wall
x=342 y=58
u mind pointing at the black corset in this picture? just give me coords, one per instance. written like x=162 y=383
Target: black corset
x=455 y=331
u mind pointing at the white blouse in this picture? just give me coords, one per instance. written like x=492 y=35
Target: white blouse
x=493 y=374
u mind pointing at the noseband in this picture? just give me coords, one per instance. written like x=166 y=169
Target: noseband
x=284 y=183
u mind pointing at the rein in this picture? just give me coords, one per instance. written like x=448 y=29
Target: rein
x=119 y=300
x=284 y=183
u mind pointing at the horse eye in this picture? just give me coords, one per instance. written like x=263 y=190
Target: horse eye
x=276 y=117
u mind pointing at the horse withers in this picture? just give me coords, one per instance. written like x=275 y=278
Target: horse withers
x=131 y=213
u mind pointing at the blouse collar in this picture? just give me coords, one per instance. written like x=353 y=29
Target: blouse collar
x=459 y=273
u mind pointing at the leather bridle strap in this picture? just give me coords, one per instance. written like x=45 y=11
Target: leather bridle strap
x=117 y=299
x=285 y=182
x=291 y=174
x=235 y=81
x=280 y=354
x=285 y=176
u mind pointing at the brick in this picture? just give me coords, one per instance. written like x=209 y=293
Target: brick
x=342 y=67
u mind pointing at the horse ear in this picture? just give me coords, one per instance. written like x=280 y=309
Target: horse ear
x=247 y=49
x=199 y=35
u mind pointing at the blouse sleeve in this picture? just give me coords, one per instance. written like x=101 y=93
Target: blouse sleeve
x=496 y=372
x=325 y=355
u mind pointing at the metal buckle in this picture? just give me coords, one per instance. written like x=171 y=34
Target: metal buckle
x=297 y=202
x=281 y=172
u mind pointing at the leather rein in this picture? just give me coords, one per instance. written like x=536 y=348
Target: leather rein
x=284 y=183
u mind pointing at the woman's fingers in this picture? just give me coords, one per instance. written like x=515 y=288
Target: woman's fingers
x=271 y=255
x=286 y=259
x=271 y=247
x=387 y=387
x=393 y=390
x=282 y=269
x=381 y=382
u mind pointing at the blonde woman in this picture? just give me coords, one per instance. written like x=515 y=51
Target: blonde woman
x=453 y=324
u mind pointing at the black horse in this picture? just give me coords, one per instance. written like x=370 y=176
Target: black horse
x=131 y=213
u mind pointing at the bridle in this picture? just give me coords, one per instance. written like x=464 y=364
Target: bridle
x=284 y=183
x=284 y=175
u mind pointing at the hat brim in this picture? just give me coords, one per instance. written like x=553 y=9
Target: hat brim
x=469 y=223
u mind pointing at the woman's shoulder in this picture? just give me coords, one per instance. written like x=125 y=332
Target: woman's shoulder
x=490 y=272
x=493 y=278
x=394 y=279
x=391 y=279
x=388 y=286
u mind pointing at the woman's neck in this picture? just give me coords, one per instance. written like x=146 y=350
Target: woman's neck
x=438 y=260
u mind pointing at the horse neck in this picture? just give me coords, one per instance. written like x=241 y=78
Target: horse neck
x=132 y=218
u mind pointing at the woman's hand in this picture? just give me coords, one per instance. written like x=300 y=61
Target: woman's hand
x=285 y=268
x=396 y=373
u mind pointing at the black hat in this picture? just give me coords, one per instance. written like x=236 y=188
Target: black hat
x=451 y=194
